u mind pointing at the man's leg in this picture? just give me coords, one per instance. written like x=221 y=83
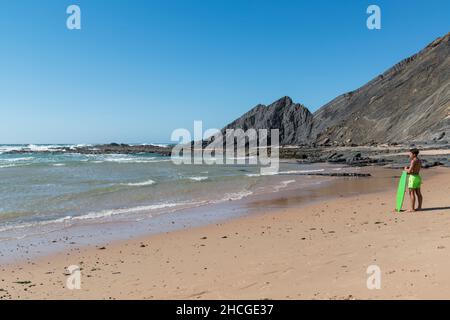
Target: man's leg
x=419 y=198
x=412 y=197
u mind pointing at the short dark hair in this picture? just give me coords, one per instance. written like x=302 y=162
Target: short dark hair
x=414 y=151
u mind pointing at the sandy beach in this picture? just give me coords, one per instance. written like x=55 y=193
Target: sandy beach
x=319 y=251
x=187 y=151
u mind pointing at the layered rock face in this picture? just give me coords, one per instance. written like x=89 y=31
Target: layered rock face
x=410 y=102
x=293 y=120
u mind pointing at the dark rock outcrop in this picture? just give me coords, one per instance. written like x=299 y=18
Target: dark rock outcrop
x=112 y=148
x=292 y=119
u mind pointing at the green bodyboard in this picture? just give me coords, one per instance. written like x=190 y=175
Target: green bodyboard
x=401 y=191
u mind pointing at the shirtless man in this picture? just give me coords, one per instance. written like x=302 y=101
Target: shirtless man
x=414 y=180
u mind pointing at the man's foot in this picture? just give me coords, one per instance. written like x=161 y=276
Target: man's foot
x=411 y=210
x=419 y=209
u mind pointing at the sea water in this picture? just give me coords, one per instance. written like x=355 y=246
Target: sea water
x=53 y=189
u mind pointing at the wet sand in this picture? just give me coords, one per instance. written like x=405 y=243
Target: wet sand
x=282 y=250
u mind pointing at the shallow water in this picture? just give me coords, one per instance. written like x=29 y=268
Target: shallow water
x=47 y=188
x=48 y=195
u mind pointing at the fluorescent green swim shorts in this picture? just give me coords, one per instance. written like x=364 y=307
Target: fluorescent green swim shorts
x=414 y=181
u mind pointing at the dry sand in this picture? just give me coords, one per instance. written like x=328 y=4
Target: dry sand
x=320 y=251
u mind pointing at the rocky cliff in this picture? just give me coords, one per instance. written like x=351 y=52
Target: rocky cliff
x=408 y=102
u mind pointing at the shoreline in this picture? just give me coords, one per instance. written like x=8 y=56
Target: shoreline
x=307 y=188
x=63 y=234
x=379 y=154
x=262 y=255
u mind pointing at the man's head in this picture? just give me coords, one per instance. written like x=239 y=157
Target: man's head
x=413 y=153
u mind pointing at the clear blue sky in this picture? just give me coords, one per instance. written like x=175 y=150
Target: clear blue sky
x=139 y=69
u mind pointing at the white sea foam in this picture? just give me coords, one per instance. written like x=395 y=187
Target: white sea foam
x=34 y=224
x=283 y=185
x=4 y=149
x=81 y=145
x=13 y=165
x=159 y=145
x=17 y=159
x=163 y=145
x=234 y=196
x=198 y=178
x=132 y=159
x=14 y=162
x=94 y=215
x=113 y=212
x=139 y=184
x=33 y=147
x=41 y=148
x=253 y=174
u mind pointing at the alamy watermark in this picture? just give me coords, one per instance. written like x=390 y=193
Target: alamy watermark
x=374 y=280
x=73 y=281
x=374 y=20
x=233 y=146
x=73 y=21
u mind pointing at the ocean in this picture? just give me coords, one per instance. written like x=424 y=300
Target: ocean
x=44 y=191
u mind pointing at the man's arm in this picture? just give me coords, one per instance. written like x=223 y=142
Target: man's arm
x=411 y=166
